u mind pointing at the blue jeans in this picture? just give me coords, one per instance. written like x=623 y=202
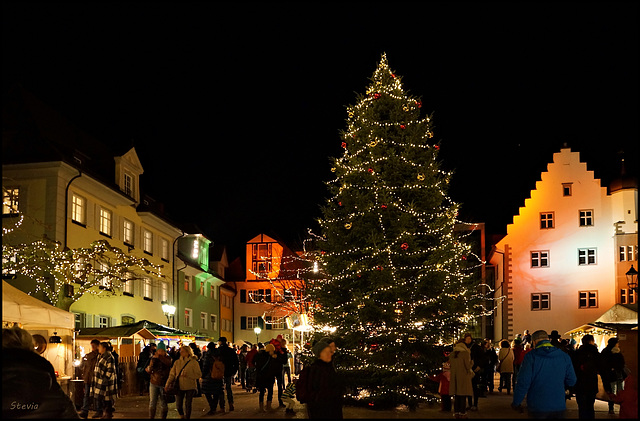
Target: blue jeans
x=86 y=400
x=546 y=415
x=227 y=382
x=156 y=392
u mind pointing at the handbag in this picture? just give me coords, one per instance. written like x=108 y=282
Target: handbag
x=500 y=362
x=174 y=387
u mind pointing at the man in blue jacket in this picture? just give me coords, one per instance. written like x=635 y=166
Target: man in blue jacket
x=543 y=377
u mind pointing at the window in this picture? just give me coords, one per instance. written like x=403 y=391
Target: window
x=188 y=286
x=9 y=273
x=187 y=317
x=214 y=292
x=127 y=320
x=566 y=189
x=253 y=296
x=128 y=184
x=164 y=291
x=203 y=285
x=214 y=321
x=252 y=321
x=78 y=209
x=127 y=232
x=540 y=259
x=127 y=285
x=280 y=324
x=203 y=320
x=628 y=253
x=105 y=222
x=103 y=321
x=227 y=326
x=226 y=301
x=147 y=287
x=588 y=299
x=540 y=301
x=164 y=249
x=104 y=281
x=261 y=255
x=10 y=201
x=587 y=256
x=546 y=220
x=627 y=296
x=586 y=218
x=78 y=318
x=147 y=241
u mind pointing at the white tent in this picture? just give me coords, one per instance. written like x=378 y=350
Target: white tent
x=38 y=317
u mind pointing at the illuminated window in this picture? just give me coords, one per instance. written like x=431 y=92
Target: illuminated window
x=188 y=285
x=128 y=184
x=627 y=296
x=105 y=222
x=540 y=259
x=203 y=285
x=147 y=239
x=588 y=299
x=214 y=292
x=164 y=249
x=261 y=256
x=78 y=209
x=566 y=189
x=203 y=320
x=127 y=285
x=587 y=256
x=147 y=288
x=104 y=281
x=586 y=218
x=541 y=301
x=546 y=220
x=10 y=201
x=187 y=317
x=127 y=232
x=214 y=322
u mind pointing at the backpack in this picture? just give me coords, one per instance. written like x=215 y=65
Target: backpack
x=303 y=386
x=217 y=370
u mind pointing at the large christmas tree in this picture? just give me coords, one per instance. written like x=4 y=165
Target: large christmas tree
x=396 y=281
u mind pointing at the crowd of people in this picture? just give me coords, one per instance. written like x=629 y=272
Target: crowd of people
x=546 y=369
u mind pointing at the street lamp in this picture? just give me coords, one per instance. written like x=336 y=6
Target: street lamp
x=632 y=279
x=257 y=331
x=169 y=311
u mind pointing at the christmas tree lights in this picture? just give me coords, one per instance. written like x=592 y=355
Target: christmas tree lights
x=395 y=278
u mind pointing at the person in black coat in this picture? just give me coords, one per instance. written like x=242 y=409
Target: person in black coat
x=585 y=363
x=230 y=360
x=29 y=385
x=326 y=389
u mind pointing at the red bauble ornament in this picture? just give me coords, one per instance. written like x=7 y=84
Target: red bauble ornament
x=464 y=257
x=322 y=252
x=344 y=144
x=379 y=268
x=402 y=126
x=339 y=203
x=400 y=302
x=374 y=347
x=437 y=147
x=393 y=75
x=370 y=170
x=383 y=206
x=419 y=104
x=404 y=246
x=376 y=95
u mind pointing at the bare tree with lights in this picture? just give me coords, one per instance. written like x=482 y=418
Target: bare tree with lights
x=396 y=278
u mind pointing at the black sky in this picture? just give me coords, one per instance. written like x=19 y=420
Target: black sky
x=235 y=108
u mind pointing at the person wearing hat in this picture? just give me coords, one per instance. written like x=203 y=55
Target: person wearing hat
x=325 y=385
x=212 y=385
x=545 y=374
x=555 y=338
x=230 y=360
x=158 y=370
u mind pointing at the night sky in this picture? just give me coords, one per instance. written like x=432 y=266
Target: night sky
x=235 y=109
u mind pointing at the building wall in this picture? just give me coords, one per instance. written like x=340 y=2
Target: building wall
x=564 y=277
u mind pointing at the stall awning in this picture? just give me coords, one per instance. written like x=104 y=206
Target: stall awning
x=143 y=327
x=32 y=313
x=618 y=317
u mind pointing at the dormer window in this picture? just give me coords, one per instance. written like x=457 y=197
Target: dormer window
x=128 y=171
x=128 y=184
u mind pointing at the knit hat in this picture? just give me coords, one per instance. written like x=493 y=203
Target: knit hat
x=319 y=347
x=270 y=348
x=162 y=346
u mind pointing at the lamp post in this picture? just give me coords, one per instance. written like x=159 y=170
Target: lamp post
x=257 y=331
x=632 y=279
x=169 y=311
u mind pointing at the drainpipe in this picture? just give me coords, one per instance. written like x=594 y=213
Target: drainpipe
x=66 y=207
x=176 y=289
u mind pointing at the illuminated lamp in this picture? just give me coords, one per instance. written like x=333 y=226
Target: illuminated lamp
x=55 y=339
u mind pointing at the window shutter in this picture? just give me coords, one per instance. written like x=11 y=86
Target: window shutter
x=267 y=296
x=243 y=296
x=243 y=322
x=268 y=320
x=260 y=322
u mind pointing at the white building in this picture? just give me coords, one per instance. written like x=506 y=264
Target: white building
x=563 y=261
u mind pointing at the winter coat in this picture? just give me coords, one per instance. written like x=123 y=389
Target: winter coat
x=478 y=357
x=325 y=391
x=143 y=361
x=159 y=369
x=443 y=379
x=189 y=378
x=230 y=360
x=88 y=365
x=517 y=353
x=545 y=373
x=104 y=377
x=268 y=367
x=585 y=364
x=30 y=388
x=505 y=360
x=250 y=356
x=242 y=360
x=209 y=385
x=461 y=372
x=628 y=399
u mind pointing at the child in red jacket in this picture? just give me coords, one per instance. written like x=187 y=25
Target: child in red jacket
x=444 y=378
x=627 y=398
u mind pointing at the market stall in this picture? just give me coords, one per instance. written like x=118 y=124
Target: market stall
x=51 y=327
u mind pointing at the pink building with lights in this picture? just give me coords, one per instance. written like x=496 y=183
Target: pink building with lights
x=563 y=261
